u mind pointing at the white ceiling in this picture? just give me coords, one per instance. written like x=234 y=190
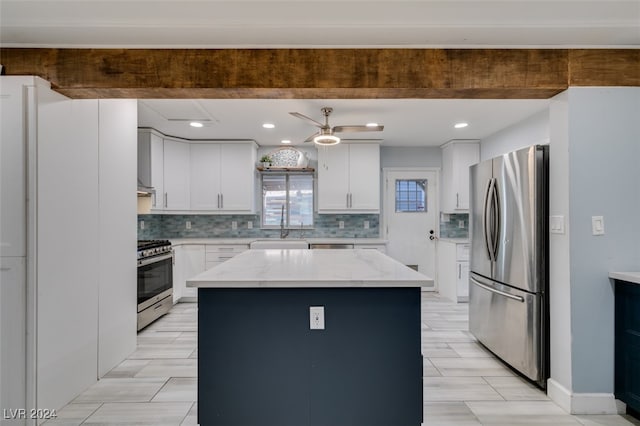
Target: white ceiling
x=306 y=23
x=408 y=122
x=327 y=23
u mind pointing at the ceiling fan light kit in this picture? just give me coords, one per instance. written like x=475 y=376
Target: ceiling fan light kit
x=326 y=140
x=325 y=136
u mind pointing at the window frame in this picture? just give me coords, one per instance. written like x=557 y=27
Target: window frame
x=287 y=216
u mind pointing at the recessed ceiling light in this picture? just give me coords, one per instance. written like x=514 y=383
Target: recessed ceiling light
x=269 y=125
x=372 y=124
x=285 y=141
x=460 y=125
x=195 y=124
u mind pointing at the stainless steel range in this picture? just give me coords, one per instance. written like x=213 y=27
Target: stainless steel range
x=155 y=280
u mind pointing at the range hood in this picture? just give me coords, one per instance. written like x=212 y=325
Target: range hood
x=144 y=190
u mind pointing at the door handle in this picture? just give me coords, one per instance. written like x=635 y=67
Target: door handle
x=493 y=290
x=459 y=271
x=166 y=199
x=457 y=200
x=485 y=218
x=495 y=219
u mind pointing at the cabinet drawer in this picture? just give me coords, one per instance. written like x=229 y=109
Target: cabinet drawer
x=226 y=248
x=380 y=247
x=462 y=252
x=221 y=253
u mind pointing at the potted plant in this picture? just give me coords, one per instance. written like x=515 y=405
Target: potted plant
x=266 y=161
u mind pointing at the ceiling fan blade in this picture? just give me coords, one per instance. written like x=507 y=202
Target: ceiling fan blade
x=304 y=117
x=342 y=129
x=310 y=138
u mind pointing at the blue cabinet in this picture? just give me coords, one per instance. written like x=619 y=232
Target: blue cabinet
x=627 y=344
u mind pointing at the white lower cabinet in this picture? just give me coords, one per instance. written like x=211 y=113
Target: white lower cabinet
x=189 y=261
x=216 y=254
x=12 y=332
x=453 y=270
x=193 y=259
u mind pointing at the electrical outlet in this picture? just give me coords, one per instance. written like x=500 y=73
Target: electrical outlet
x=249 y=225
x=461 y=224
x=316 y=317
x=187 y=224
x=366 y=224
x=142 y=224
x=234 y=224
x=341 y=224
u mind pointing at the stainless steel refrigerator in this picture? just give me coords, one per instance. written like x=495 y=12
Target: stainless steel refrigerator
x=508 y=280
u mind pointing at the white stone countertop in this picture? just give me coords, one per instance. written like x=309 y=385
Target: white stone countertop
x=632 y=277
x=247 y=241
x=277 y=268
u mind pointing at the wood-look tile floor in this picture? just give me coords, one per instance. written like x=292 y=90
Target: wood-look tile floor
x=464 y=384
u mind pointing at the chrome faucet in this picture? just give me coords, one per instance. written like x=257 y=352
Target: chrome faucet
x=283 y=232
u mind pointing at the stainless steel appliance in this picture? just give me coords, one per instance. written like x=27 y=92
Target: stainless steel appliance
x=508 y=281
x=155 y=280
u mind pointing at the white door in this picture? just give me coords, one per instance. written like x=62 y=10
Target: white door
x=205 y=176
x=236 y=177
x=176 y=175
x=410 y=213
x=333 y=178
x=364 y=173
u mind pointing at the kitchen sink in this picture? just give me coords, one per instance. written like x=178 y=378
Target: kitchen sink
x=279 y=244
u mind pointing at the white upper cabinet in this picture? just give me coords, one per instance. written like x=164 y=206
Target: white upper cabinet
x=212 y=177
x=223 y=177
x=457 y=156
x=349 y=178
x=176 y=175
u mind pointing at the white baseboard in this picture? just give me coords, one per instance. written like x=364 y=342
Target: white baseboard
x=583 y=403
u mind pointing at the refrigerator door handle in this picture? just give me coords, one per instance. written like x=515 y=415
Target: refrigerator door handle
x=485 y=217
x=495 y=219
x=493 y=290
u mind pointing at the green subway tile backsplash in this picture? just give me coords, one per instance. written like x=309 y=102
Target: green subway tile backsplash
x=158 y=226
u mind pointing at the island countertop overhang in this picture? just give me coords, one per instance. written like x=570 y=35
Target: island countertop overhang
x=288 y=268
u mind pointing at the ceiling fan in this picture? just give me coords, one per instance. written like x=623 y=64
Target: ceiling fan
x=325 y=136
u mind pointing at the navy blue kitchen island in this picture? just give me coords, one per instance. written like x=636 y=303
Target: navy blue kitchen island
x=259 y=363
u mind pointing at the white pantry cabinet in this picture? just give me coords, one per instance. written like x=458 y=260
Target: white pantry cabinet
x=223 y=177
x=453 y=270
x=457 y=156
x=151 y=164
x=349 y=178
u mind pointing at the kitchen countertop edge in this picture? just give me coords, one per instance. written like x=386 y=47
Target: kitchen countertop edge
x=247 y=241
x=631 y=277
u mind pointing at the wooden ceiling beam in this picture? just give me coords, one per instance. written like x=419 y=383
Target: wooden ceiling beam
x=323 y=73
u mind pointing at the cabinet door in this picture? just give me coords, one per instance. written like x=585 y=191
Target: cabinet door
x=176 y=175
x=447 y=272
x=333 y=178
x=205 y=177
x=237 y=177
x=364 y=178
x=462 y=281
x=12 y=332
x=194 y=264
x=466 y=155
x=156 y=171
x=448 y=196
x=12 y=171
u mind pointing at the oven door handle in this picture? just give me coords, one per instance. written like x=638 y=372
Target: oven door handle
x=155 y=259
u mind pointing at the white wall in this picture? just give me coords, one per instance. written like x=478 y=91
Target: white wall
x=594 y=152
x=604 y=147
x=427 y=156
x=117 y=231
x=530 y=131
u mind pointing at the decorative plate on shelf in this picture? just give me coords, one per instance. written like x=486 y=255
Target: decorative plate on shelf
x=288 y=157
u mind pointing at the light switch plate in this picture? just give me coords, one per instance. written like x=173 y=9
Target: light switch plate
x=250 y=224
x=556 y=224
x=187 y=224
x=366 y=224
x=316 y=317
x=341 y=224
x=234 y=224
x=597 y=225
